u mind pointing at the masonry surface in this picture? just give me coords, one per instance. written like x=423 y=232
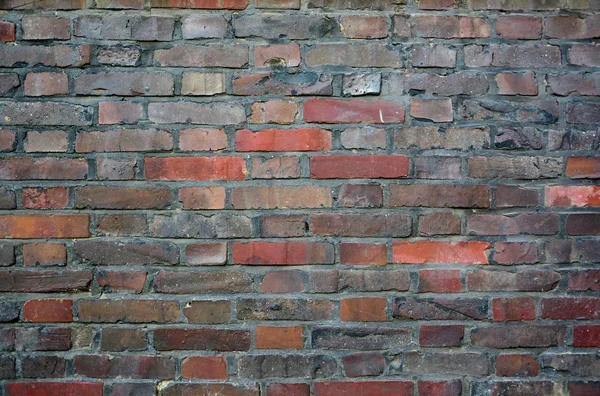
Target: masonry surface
x=299 y=197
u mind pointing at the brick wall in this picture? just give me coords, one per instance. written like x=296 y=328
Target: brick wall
x=294 y=197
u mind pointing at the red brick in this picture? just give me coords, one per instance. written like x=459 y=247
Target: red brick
x=513 y=308
x=288 y=389
x=119 y=112
x=363 y=309
x=121 y=281
x=421 y=252
x=517 y=366
x=46 y=168
x=442 y=26
x=363 y=254
x=45 y=198
x=363 y=27
x=44 y=254
x=516 y=84
x=268 y=337
x=441 y=336
x=583 y=168
x=584 y=280
x=272 y=197
x=363 y=364
x=202 y=139
x=359 y=166
x=47 y=141
x=48 y=311
x=282 y=282
x=569 y=308
x=44 y=226
x=436 y=110
x=202 y=197
x=305 y=139
x=439 y=224
x=7 y=31
x=267 y=56
x=195 y=168
x=274 y=111
x=54 y=388
x=201 y=4
x=206 y=254
x=519 y=27
x=337 y=111
x=364 y=388
x=204 y=367
x=360 y=196
x=275 y=168
x=515 y=196
x=585 y=336
x=514 y=253
x=282 y=253
x=439 y=281
x=46 y=84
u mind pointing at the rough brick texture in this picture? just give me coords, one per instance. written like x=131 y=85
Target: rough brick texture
x=299 y=197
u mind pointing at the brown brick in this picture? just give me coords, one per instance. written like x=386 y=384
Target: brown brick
x=277 y=54
x=128 y=311
x=208 y=312
x=282 y=282
x=44 y=254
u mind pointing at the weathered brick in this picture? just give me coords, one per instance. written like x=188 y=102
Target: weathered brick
x=275 y=168
x=431 y=137
x=202 y=84
x=437 y=26
x=366 y=55
x=203 y=26
x=434 y=56
x=125 y=84
x=360 y=338
x=363 y=364
x=274 y=111
x=524 y=280
x=44 y=113
x=358 y=166
x=48 y=311
x=53 y=56
x=439 y=195
x=587 y=84
x=43 y=367
x=573 y=364
x=441 y=336
x=282 y=226
x=182 y=389
x=526 y=223
x=44 y=281
x=104 y=366
x=273 y=26
x=44 y=226
x=295 y=4
x=8 y=82
x=439 y=224
x=584 y=55
x=124 y=27
x=37 y=27
x=364 y=388
x=421 y=252
x=516 y=84
x=274 y=389
x=539 y=112
x=100 y=197
x=436 y=110
x=572 y=27
x=115 y=168
x=45 y=198
x=282 y=282
x=515 y=167
x=361 y=225
x=519 y=27
x=409 y=308
x=281 y=83
x=286 y=366
x=128 y=311
x=217 y=113
x=513 y=309
x=119 y=55
x=517 y=366
x=474 y=364
x=232 y=56
x=119 y=112
x=584 y=280
x=201 y=4
x=119 y=340
x=271 y=197
x=208 y=312
x=514 y=253
x=46 y=84
x=363 y=27
x=121 y=281
x=459 y=83
x=284 y=309
x=192 y=225
x=519 y=336
x=203 y=282
x=174 y=339
x=139 y=252
x=526 y=5
x=195 y=168
x=515 y=196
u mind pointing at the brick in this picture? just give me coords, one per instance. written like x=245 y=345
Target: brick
x=276 y=366
x=439 y=224
x=282 y=253
x=7 y=254
x=282 y=282
x=294 y=4
x=288 y=389
x=474 y=364
x=333 y=111
x=526 y=138
x=516 y=84
x=515 y=167
x=203 y=282
x=275 y=168
x=363 y=310
x=363 y=364
x=268 y=337
x=515 y=196
x=121 y=225
x=528 y=5
x=513 y=309
x=176 y=339
x=409 y=308
x=304 y=139
x=284 y=309
x=363 y=254
x=584 y=55
x=182 y=389
x=115 y=168
x=280 y=83
x=128 y=389
x=37 y=27
x=103 y=366
x=99 y=197
x=582 y=113
x=203 y=26
x=7 y=31
x=48 y=311
x=439 y=195
x=513 y=253
x=47 y=141
x=363 y=388
x=569 y=308
x=202 y=139
x=195 y=168
x=121 y=281
x=274 y=26
x=231 y=56
x=365 y=55
x=359 y=166
x=360 y=196
x=8 y=83
x=462 y=27
x=572 y=196
x=436 y=5
x=421 y=252
x=517 y=388
x=576 y=365
x=525 y=281
x=119 y=340
x=364 y=138
x=583 y=388
x=43 y=339
x=363 y=27
x=49 y=388
x=586 y=336
x=202 y=84
x=436 y=110
x=362 y=338
x=435 y=56
x=361 y=281
x=459 y=83
x=204 y=367
x=584 y=280
x=110 y=113
x=560 y=251
x=45 y=198
x=208 y=312
x=517 y=56
x=440 y=281
x=519 y=27
x=526 y=223
x=125 y=84
x=196 y=113
x=583 y=168
x=46 y=84
x=517 y=366
x=119 y=5
x=277 y=54
x=452 y=139
x=44 y=254
x=44 y=114
x=376 y=5
x=128 y=311
x=271 y=197
x=9 y=312
x=43 y=367
x=282 y=226
x=201 y=4
x=477 y=56
x=202 y=197
x=519 y=336
x=361 y=225
x=44 y=226
x=573 y=83
x=571 y=27
x=441 y=336
x=198 y=226
x=205 y=254
x=124 y=27
x=274 y=111
x=119 y=55
x=53 y=56
x=539 y=112
x=358 y=84
x=44 y=281
x=443 y=388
